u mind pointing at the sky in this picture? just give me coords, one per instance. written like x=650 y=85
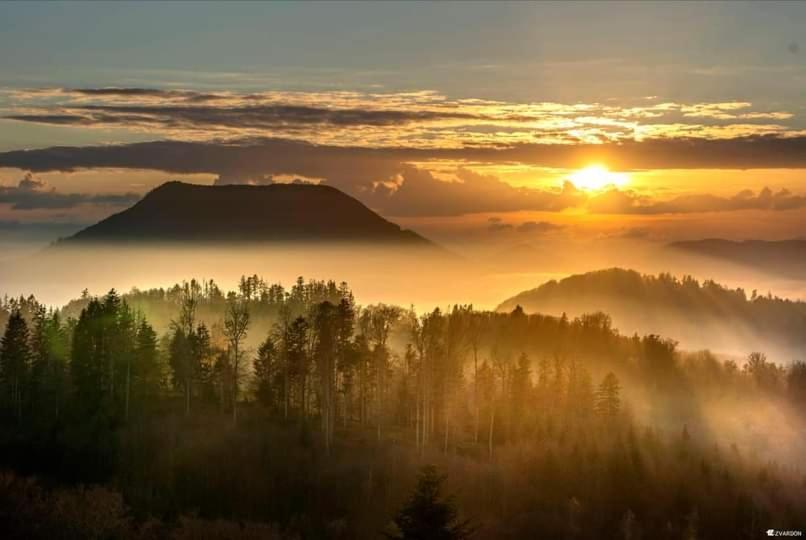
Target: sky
x=469 y=122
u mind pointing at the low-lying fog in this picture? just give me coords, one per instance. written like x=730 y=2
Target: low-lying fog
x=483 y=276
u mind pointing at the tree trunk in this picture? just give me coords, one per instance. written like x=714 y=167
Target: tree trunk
x=128 y=387
x=492 y=428
x=417 y=421
x=447 y=429
x=476 y=395
x=235 y=386
x=187 y=398
x=286 y=397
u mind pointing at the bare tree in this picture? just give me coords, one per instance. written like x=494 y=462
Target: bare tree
x=236 y=324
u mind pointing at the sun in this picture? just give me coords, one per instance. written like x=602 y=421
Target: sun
x=597 y=177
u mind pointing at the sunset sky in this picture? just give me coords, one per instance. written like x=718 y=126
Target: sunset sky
x=460 y=120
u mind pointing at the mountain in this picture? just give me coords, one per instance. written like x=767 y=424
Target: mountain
x=699 y=315
x=785 y=257
x=190 y=213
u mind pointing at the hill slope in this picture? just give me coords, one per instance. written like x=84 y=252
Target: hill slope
x=700 y=315
x=179 y=212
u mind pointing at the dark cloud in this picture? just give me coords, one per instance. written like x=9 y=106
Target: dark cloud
x=539 y=227
x=244 y=117
x=131 y=92
x=279 y=156
x=15 y=226
x=384 y=178
x=55 y=119
x=33 y=194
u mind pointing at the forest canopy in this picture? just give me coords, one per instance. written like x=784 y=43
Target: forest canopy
x=299 y=413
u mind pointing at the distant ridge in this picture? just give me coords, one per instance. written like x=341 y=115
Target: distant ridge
x=699 y=314
x=190 y=213
x=783 y=257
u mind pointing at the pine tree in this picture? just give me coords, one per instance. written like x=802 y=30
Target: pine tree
x=265 y=368
x=15 y=362
x=428 y=516
x=50 y=351
x=146 y=370
x=608 y=402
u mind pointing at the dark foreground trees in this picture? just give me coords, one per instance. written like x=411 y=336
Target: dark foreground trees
x=546 y=427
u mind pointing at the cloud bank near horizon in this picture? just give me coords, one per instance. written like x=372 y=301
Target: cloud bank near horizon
x=385 y=148
x=397 y=181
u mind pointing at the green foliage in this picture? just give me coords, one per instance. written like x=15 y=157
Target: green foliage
x=15 y=363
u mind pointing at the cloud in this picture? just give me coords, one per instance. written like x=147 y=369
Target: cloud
x=539 y=227
x=423 y=119
x=226 y=179
x=33 y=194
x=418 y=193
x=499 y=227
x=257 y=157
x=386 y=179
x=633 y=233
x=626 y=202
x=16 y=226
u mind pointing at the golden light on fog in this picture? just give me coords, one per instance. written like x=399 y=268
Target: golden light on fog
x=597 y=177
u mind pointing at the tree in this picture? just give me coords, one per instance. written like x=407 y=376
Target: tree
x=608 y=402
x=236 y=324
x=325 y=332
x=15 y=361
x=146 y=374
x=380 y=319
x=297 y=359
x=428 y=516
x=93 y=356
x=796 y=382
x=660 y=358
x=180 y=358
x=50 y=345
x=765 y=373
x=265 y=367
x=520 y=392
x=125 y=345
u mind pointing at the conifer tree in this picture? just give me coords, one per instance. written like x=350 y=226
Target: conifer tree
x=265 y=367
x=429 y=516
x=15 y=362
x=608 y=402
x=146 y=371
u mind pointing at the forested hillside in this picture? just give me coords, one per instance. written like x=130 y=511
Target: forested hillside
x=298 y=413
x=698 y=314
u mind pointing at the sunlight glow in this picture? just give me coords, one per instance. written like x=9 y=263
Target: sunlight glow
x=597 y=177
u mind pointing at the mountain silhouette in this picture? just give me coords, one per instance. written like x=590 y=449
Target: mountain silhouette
x=191 y=213
x=783 y=257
